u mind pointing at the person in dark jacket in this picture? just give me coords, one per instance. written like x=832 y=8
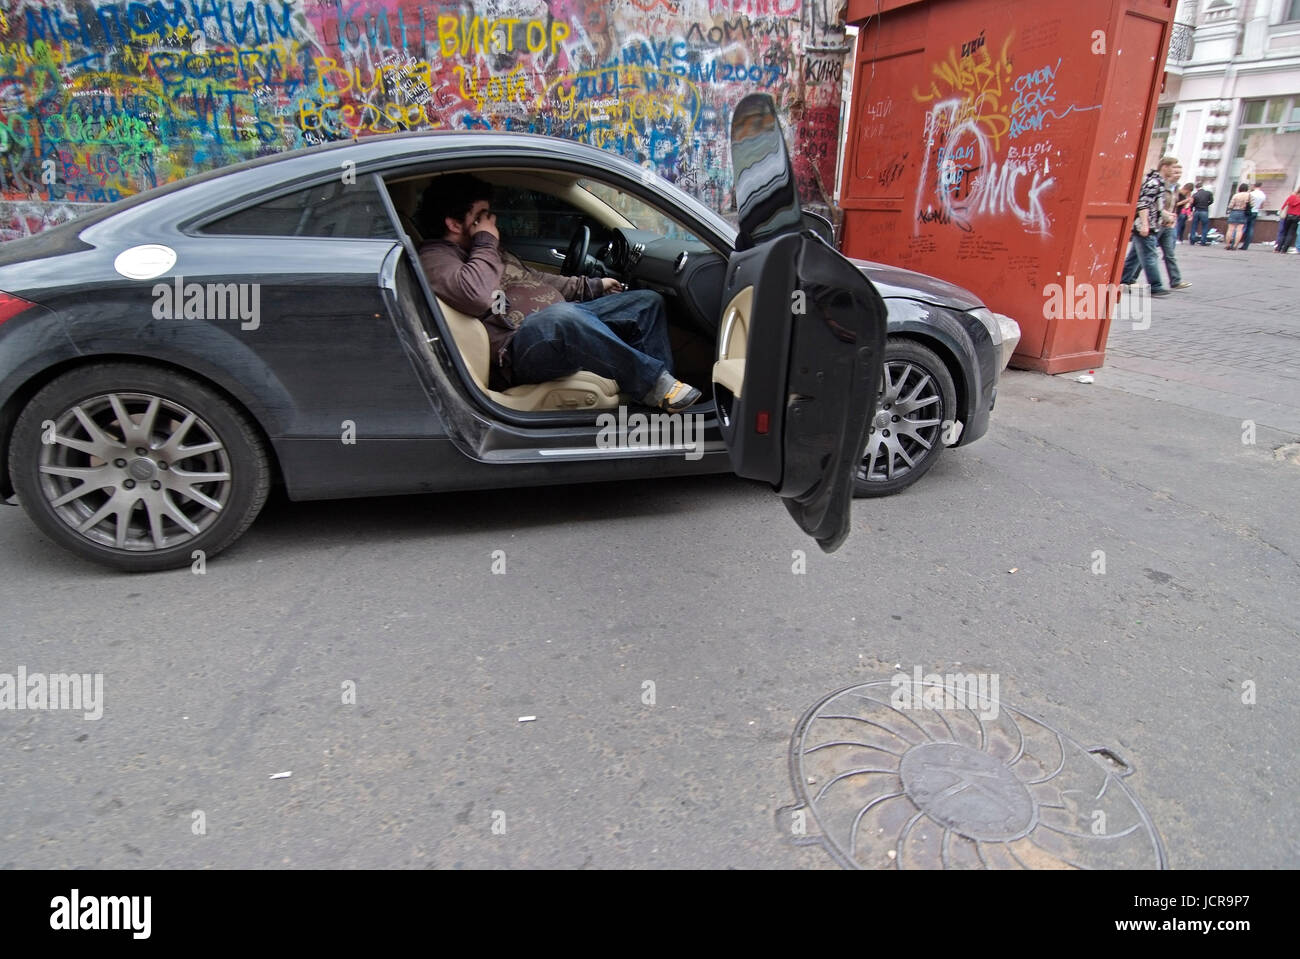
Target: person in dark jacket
x=541 y=326
x=1202 y=200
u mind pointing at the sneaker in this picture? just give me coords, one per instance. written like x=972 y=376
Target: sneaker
x=1161 y=292
x=1181 y=285
x=679 y=396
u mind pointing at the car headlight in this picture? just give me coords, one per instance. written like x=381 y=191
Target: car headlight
x=1003 y=331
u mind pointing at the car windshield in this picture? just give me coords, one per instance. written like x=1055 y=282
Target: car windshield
x=643 y=216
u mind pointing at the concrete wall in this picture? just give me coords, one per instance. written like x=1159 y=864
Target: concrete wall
x=100 y=99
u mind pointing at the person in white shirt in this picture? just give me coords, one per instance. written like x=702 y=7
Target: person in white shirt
x=1252 y=214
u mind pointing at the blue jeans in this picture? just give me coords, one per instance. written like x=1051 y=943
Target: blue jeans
x=622 y=336
x=1182 y=228
x=1250 y=230
x=1201 y=222
x=1143 y=249
x=1168 y=237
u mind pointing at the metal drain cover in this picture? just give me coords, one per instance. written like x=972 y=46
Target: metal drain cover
x=935 y=779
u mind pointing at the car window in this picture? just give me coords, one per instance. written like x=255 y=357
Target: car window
x=639 y=213
x=333 y=208
x=525 y=214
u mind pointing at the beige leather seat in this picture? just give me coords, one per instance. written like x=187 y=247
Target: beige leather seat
x=583 y=390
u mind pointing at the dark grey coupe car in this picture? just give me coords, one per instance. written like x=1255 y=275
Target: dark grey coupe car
x=167 y=359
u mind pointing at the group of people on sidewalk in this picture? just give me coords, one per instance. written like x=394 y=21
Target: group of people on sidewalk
x=1193 y=210
x=1163 y=215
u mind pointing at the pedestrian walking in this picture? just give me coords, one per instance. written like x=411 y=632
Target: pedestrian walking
x=1252 y=214
x=1202 y=200
x=1183 y=210
x=1237 y=208
x=1287 y=226
x=1147 y=222
x=1168 y=235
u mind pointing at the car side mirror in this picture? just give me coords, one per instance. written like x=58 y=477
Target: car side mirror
x=819 y=225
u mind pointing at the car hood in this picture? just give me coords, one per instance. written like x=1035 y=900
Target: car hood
x=893 y=281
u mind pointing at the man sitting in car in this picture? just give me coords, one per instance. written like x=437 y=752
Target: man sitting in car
x=536 y=327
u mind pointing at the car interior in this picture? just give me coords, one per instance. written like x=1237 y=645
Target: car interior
x=563 y=223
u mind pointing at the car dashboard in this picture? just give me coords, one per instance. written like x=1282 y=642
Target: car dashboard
x=687 y=272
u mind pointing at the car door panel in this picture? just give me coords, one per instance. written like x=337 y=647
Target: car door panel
x=801 y=341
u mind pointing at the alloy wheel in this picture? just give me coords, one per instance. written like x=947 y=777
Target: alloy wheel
x=907 y=423
x=134 y=471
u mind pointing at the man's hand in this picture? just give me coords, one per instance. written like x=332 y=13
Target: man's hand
x=610 y=285
x=486 y=223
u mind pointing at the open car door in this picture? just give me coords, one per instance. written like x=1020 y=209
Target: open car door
x=802 y=340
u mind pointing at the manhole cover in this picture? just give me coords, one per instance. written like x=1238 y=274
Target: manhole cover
x=925 y=775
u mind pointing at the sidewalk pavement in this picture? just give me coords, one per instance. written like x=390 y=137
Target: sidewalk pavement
x=1230 y=344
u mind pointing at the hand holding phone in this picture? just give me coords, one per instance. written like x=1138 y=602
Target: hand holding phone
x=485 y=222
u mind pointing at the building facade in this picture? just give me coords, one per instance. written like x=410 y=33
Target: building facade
x=1230 y=111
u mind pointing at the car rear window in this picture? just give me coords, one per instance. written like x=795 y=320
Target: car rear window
x=333 y=208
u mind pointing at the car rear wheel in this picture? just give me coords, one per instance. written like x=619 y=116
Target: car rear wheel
x=137 y=468
x=905 y=437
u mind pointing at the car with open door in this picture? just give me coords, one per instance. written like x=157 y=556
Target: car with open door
x=166 y=360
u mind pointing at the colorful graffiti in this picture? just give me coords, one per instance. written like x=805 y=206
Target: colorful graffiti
x=984 y=157
x=101 y=99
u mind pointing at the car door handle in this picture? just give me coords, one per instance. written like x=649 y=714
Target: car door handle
x=557 y=255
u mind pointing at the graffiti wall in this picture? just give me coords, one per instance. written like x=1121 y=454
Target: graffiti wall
x=101 y=99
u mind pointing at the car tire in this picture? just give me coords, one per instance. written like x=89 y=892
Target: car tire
x=917 y=377
x=176 y=487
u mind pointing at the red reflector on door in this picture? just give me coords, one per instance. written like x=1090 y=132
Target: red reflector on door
x=761 y=421
x=11 y=305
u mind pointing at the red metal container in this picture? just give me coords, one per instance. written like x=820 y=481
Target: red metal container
x=999 y=144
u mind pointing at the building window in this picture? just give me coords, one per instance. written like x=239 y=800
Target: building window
x=1293 y=12
x=1160 y=135
x=1267 y=150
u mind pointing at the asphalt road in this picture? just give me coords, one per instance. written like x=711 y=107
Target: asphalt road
x=215 y=682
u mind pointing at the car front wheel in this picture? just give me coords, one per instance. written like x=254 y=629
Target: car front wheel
x=905 y=437
x=137 y=468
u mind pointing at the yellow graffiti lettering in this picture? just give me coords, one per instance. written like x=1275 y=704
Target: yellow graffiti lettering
x=342 y=81
x=447 y=34
x=538 y=45
x=510 y=23
x=978 y=83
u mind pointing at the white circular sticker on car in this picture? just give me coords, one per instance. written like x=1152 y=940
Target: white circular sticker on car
x=145 y=262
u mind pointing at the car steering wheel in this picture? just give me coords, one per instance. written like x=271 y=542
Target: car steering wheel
x=576 y=257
